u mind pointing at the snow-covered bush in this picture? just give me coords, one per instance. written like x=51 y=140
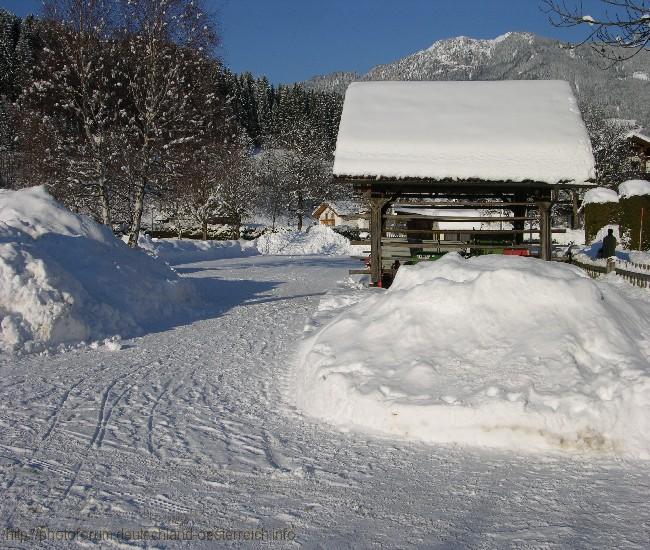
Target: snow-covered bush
x=494 y=350
x=66 y=279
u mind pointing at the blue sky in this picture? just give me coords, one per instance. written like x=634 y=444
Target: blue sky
x=292 y=40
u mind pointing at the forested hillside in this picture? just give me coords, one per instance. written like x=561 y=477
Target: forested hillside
x=128 y=134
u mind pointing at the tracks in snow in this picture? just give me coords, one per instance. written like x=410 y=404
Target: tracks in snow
x=189 y=427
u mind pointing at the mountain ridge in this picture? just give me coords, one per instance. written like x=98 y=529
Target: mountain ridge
x=623 y=88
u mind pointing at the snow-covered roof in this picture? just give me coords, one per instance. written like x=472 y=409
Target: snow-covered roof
x=634 y=188
x=639 y=136
x=492 y=131
x=346 y=208
x=599 y=195
x=342 y=208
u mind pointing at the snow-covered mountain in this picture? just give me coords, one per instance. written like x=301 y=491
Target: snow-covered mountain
x=624 y=87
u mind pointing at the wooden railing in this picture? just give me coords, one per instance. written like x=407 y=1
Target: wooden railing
x=622 y=269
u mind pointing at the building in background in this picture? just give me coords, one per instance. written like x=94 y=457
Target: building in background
x=340 y=213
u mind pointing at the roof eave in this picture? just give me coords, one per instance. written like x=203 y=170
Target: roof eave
x=433 y=182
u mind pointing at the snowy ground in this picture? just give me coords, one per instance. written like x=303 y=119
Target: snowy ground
x=191 y=428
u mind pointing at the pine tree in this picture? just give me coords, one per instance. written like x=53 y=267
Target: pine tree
x=27 y=45
x=8 y=23
x=263 y=94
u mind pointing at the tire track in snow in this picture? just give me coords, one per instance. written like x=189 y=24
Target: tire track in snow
x=100 y=438
x=103 y=419
x=54 y=417
x=57 y=413
x=150 y=421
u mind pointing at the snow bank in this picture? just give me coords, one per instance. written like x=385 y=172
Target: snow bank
x=599 y=195
x=570 y=236
x=66 y=279
x=639 y=257
x=176 y=251
x=317 y=239
x=634 y=188
x=497 y=351
x=494 y=131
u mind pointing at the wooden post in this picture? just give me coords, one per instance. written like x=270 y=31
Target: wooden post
x=574 y=210
x=375 y=240
x=378 y=205
x=545 y=235
x=519 y=212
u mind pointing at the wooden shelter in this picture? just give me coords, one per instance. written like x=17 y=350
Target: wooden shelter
x=507 y=146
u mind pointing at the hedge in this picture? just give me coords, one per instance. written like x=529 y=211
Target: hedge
x=597 y=216
x=630 y=222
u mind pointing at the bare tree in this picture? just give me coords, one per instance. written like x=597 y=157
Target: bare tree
x=77 y=83
x=39 y=146
x=193 y=193
x=168 y=47
x=236 y=180
x=270 y=172
x=623 y=24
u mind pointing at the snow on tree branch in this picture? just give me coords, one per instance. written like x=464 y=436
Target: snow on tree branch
x=620 y=32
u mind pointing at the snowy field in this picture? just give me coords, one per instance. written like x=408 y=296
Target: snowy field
x=193 y=427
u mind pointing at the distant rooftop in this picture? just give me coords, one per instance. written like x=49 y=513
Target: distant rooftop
x=518 y=131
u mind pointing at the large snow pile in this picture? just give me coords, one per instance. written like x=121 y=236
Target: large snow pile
x=495 y=350
x=66 y=279
x=175 y=251
x=634 y=188
x=495 y=131
x=317 y=239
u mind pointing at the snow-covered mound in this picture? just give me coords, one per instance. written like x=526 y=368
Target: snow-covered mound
x=599 y=195
x=175 y=251
x=318 y=239
x=495 y=350
x=66 y=279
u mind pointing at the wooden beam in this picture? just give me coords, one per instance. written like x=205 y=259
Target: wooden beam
x=455 y=218
x=458 y=185
x=466 y=231
x=457 y=204
x=463 y=203
x=431 y=244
